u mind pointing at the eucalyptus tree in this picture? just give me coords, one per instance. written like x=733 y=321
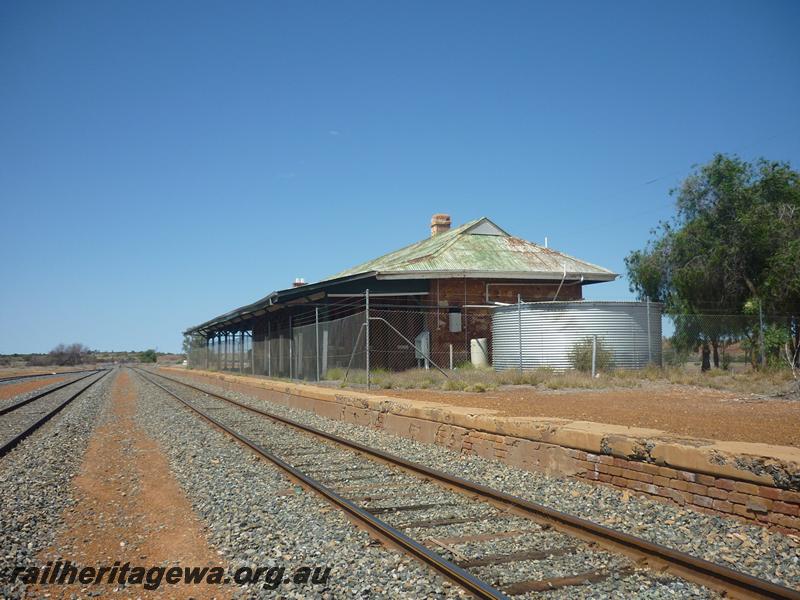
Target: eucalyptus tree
x=734 y=243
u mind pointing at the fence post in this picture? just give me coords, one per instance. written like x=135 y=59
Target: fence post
x=760 y=335
x=291 y=344
x=316 y=335
x=324 y=364
x=594 y=356
x=366 y=296
x=451 y=357
x=649 y=339
x=519 y=328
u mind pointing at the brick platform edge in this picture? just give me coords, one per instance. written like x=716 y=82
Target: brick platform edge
x=759 y=483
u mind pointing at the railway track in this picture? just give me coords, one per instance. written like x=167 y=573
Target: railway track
x=20 y=419
x=447 y=522
x=13 y=378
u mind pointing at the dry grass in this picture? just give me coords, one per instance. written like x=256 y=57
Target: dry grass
x=468 y=379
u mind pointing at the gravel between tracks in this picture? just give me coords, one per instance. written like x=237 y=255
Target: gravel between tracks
x=14 y=380
x=34 y=483
x=19 y=419
x=384 y=490
x=25 y=395
x=256 y=517
x=340 y=469
x=751 y=549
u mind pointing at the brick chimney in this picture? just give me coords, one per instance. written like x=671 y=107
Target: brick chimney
x=440 y=223
x=299 y=282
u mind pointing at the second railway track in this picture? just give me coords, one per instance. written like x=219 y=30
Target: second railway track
x=20 y=418
x=15 y=378
x=447 y=522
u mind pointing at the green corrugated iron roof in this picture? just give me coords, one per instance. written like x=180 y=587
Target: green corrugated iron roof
x=479 y=246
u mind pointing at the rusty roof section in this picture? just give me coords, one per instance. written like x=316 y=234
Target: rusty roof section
x=483 y=249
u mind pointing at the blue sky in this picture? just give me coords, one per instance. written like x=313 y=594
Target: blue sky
x=161 y=163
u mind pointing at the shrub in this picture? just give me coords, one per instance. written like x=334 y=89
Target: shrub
x=453 y=385
x=334 y=373
x=71 y=355
x=148 y=356
x=475 y=387
x=580 y=356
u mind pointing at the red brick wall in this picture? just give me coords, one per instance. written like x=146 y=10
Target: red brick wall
x=769 y=506
x=473 y=291
x=705 y=493
x=477 y=322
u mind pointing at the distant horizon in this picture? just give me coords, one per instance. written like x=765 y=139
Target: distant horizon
x=96 y=351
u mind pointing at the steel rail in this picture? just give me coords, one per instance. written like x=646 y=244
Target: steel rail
x=734 y=583
x=461 y=577
x=10 y=444
x=12 y=407
x=32 y=375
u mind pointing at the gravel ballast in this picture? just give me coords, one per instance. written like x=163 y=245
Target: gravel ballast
x=4 y=402
x=748 y=548
x=257 y=517
x=34 y=482
x=427 y=511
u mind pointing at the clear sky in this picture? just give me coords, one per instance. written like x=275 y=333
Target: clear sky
x=163 y=162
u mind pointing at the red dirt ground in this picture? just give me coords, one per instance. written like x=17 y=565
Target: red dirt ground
x=14 y=389
x=129 y=508
x=682 y=410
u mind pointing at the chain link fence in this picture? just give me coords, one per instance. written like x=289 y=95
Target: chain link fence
x=354 y=342
x=730 y=342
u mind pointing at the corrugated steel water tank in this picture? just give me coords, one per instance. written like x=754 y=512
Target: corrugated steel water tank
x=630 y=330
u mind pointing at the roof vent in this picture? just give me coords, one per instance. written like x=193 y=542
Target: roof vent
x=440 y=223
x=299 y=282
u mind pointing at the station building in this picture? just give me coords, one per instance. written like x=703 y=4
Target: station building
x=444 y=286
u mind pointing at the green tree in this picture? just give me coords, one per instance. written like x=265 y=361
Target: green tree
x=734 y=242
x=188 y=343
x=148 y=356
